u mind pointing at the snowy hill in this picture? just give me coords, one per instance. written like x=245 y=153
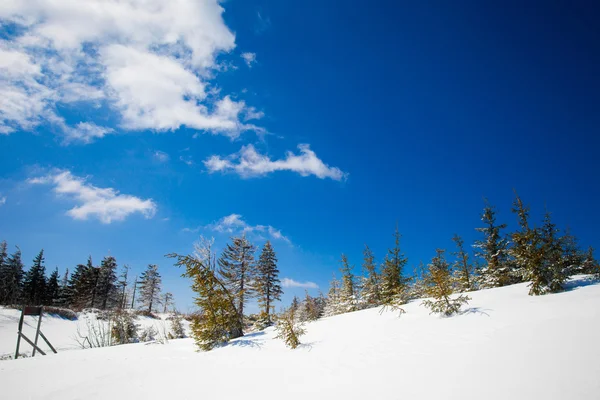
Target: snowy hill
x=507 y=345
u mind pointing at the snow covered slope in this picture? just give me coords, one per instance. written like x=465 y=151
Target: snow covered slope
x=62 y=333
x=506 y=346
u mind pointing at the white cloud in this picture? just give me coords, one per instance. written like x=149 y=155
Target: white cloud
x=235 y=224
x=249 y=58
x=160 y=156
x=105 y=204
x=2 y=200
x=288 y=283
x=249 y=163
x=85 y=132
x=151 y=60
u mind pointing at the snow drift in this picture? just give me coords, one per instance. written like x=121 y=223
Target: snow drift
x=505 y=345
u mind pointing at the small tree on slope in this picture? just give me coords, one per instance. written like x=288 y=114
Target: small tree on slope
x=289 y=328
x=218 y=320
x=370 y=285
x=347 y=296
x=463 y=269
x=393 y=283
x=494 y=250
x=439 y=286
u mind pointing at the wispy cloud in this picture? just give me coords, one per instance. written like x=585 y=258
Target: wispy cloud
x=2 y=200
x=235 y=224
x=250 y=163
x=187 y=160
x=160 y=156
x=263 y=22
x=290 y=283
x=144 y=59
x=104 y=204
x=249 y=58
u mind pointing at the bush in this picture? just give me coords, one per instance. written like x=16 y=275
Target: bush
x=148 y=314
x=64 y=313
x=148 y=334
x=124 y=329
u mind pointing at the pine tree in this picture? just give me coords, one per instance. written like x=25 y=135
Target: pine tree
x=526 y=251
x=393 y=282
x=417 y=285
x=150 y=284
x=295 y=303
x=167 y=300
x=348 y=299
x=12 y=279
x=555 y=272
x=464 y=270
x=370 y=286
x=81 y=289
x=122 y=287
x=289 y=328
x=267 y=283
x=218 y=320
x=309 y=310
x=589 y=264
x=52 y=289
x=63 y=290
x=238 y=271
x=439 y=286
x=106 y=287
x=34 y=282
x=494 y=250
x=4 y=272
x=332 y=306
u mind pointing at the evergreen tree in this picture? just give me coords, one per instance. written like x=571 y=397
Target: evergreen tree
x=289 y=328
x=122 y=287
x=464 y=271
x=150 y=284
x=554 y=271
x=238 y=271
x=332 y=306
x=348 y=299
x=267 y=283
x=52 y=289
x=81 y=288
x=4 y=272
x=589 y=264
x=106 y=288
x=417 y=285
x=295 y=303
x=63 y=290
x=393 y=282
x=309 y=310
x=34 y=282
x=218 y=320
x=12 y=279
x=167 y=300
x=494 y=250
x=526 y=250
x=439 y=286
x=370 y=286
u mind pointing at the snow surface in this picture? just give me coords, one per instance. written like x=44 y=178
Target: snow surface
x=507 y=345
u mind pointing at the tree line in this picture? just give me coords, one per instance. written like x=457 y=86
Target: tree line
x=89 y=286
x=542 y=255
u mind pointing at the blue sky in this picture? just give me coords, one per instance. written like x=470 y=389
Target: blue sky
x=318 y=125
